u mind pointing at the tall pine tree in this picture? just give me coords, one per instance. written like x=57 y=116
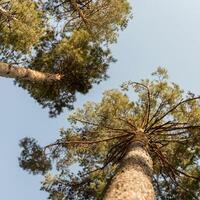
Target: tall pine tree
x=57 y=48
x=125 y=149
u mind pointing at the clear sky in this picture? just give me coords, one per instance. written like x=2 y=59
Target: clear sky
x=162 y=33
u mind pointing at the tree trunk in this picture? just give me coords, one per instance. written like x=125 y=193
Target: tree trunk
x=133 y=180
x=23 y=73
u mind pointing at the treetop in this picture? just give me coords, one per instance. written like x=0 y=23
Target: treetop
x=100 y=134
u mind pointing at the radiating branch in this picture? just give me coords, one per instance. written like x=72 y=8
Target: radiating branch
x=106 y=127
x=171 y=110
x=83 y=142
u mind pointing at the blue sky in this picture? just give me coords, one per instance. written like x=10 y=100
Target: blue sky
x=162 y=33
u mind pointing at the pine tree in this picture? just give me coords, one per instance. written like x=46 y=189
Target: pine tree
x=124 y=149
x=54 y=49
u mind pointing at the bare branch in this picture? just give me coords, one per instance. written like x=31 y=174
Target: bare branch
x=107 y=127
x=127 y=122
x=83 y=142
x=174 y=128
x=171 y=110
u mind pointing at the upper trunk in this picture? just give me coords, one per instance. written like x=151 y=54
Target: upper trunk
x=133 y=180
x=23 y=73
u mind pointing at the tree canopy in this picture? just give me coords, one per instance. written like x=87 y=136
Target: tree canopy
x=100 y=134
x=65 y=39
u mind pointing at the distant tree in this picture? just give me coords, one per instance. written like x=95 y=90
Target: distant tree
x=123 y=149
x=56 y=48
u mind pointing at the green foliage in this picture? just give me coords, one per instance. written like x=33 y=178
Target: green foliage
x=102 y=18
x=69 y=38
x=25 y=26
x=80 y=61
x=33 y=158
x=101 y=132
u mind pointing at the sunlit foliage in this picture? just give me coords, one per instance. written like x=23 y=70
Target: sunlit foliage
x=100 y=134
x=70 y=38
x=21 y=25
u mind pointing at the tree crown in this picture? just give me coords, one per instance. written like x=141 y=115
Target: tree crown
x=100 y=134
x=69 y=38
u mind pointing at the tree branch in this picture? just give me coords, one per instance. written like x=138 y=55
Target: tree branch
x=24 y=73
x=106 y=127
x=172 y=109
x=84 y=142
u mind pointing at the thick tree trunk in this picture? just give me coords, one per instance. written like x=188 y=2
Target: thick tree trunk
x=133 y=180
x=23 y=73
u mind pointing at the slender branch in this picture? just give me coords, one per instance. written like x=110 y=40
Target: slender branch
x=180 y=128
x=127 y=122
x=83 y=142
x=154 y=129
x=117 y=151
x=185 y=189
x=162 y=131
x=165 y=160
x=176 y=141
x=170 y=124
x=169 y=134
x=187 y=175
x=94 y=124
x=162 y=104
x=172 y=109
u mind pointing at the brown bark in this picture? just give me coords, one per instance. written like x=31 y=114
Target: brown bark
x=133 y=180
x=23 y=73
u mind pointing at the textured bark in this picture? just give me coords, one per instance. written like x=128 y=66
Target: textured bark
x=133 y=180
x=23 y=73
